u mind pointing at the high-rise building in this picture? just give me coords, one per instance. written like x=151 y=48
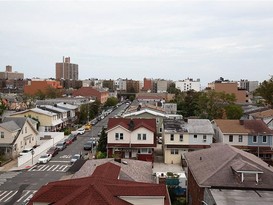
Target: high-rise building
x=67 y=70
x=10 y=75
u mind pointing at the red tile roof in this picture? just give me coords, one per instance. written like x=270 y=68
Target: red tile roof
x=101 y=188
x=149 y=124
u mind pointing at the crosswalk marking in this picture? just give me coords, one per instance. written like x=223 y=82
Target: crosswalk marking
x=66 y=156
x=7 y=175
x=6 y=196
x=54 y=167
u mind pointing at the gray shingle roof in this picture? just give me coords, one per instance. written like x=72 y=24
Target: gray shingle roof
x=10 y=126
x=213 y=167
x=20 y=121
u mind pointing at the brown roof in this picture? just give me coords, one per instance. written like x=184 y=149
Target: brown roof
x=149 y=124
x=263 y=114
x=97 y=190
x=243 y=126
x=214 y=167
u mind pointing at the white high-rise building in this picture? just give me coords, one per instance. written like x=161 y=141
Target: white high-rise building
x=188 y=84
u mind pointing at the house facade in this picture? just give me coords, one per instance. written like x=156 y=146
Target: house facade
x=181 y=136
x=49 y=121
x=250 y=135
x=131 y=138
x=16 y=135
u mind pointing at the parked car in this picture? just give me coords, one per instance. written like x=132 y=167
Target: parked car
x=53 y=151
x=87 y=126
x=44 y=158
x=89 y=144
x=75 y=158
x=26 y=151
x=61 y=145
x=68 y=141
x=72 y=137
x=81 y=131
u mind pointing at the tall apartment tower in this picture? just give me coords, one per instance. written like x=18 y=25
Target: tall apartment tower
x=67 y=70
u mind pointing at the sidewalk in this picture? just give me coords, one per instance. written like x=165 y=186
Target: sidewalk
x=13 y=166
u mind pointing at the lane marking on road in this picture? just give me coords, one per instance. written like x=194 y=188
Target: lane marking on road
x=23 y=196
x=60 y=161
x=7 y=199
x=6 y=195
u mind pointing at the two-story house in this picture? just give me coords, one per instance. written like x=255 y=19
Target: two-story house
x=16 y=134
x=180 y=136
x=49 y=121
x=250 y=135
x=131 y=138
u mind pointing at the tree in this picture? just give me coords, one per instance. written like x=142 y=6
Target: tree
x=233 y=111
x=265 y=90
x=102 y=143
x=52 y=92
x=112 y=101
x=2 y=107
x=172 y=89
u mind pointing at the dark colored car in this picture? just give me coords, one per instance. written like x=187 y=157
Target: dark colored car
x=61 y=145
x=89 y=145
x=53 y=151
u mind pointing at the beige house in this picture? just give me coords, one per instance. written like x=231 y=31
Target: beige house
x=17 y=133
x=49 y=120
x=181 y=136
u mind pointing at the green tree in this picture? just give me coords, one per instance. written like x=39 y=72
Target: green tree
x=131 y=98
x=52 y=92
x=172 y=89
x=102 y=143
x=40 y=95
x=265 y=90
x=233 y=111
x=2 y=107
x=112 y=101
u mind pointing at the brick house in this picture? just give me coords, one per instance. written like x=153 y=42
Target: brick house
x=94 y=93
x=224 y=174
x=35 y=85
x=131 y=138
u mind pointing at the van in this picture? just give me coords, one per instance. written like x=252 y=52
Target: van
x=61 y=145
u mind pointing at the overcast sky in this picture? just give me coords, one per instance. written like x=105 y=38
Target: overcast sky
x=136 y=39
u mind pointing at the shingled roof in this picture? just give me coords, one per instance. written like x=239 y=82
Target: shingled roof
x=132 y=124
x=214 y=167
x=102 y=188
x=243 y=126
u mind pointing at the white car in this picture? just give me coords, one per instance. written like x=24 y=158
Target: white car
x=75 y=158
x=44 y=159
x=81 y=131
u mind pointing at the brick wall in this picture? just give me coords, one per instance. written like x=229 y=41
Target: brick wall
x=195 y=193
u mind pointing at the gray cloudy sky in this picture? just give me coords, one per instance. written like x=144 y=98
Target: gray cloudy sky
x=137 y=39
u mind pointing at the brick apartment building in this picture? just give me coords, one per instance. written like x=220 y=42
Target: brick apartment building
x=67 y=70
x=230 y=88
x=35 y=85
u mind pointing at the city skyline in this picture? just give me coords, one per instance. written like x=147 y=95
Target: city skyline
x=172 y=40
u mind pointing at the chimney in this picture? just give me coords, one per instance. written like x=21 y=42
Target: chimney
x=241 y=122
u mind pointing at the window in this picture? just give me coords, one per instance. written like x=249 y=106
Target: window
x=172 y=137
x=254 y=138
x=230 y=139
x=181 y=138
x=204 y=138
x=240 y=139
x=119 y=136
x=145 y=151
x=264 y=139
x=174 y=151
x=2 y=134
x=160 y=129
x=141 y=137
x=144 y=136
x=25 y=129
x=195 y=138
